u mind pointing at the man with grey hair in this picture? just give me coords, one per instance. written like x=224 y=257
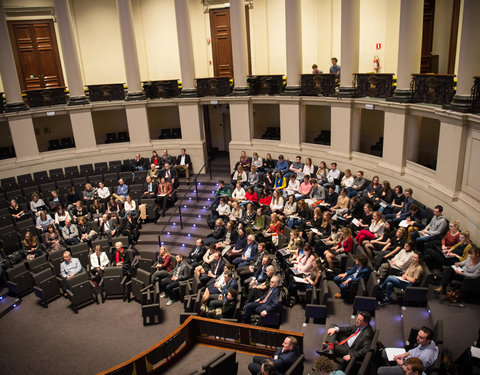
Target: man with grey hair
x=69 y=268
x=265 y=305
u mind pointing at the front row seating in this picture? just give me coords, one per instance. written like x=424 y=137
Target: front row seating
x=47 y=286
x=81 y=291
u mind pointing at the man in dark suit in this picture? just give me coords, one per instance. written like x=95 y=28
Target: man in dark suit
x=283 y=358
x=355 y=340
x=196 y=254
x=180 y=272
x=216 y=268
x=170 y=175
x=184 y=163
x=267 y=304
x=108 y=227
x=149 y=188
x=218 y=300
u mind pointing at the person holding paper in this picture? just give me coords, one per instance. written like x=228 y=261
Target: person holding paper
x=412 y=276
x=469 y=268
x=359 y=271
x=426 y=351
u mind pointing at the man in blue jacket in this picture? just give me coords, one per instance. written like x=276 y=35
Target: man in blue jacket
x=283 y=358
x=359 y=271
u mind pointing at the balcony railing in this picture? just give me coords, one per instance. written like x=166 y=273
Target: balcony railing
x=374 y=85
x=106 y=92
x=46 y=97
x=318 y=84
x=161 y=89
x=433 y=88
x=219 y=86
x=265 y=85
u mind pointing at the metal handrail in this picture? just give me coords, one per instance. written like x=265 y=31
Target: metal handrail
x=180 y=201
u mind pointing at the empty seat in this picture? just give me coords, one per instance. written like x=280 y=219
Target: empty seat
x=67 y=142
x=47 y=286
x=123 y=137
x=81 y=291
x=9 y=184
x=111 y=138
x=20 y=280
x=38 y=264
x=56 y=174
x=86 y=170
x=24 y=180
x=71 y=172
x=101 y=168
x=113 y=283
x=41 y=177
x=115 y=166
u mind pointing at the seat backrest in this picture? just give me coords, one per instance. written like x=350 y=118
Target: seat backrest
x=438 y=332
x=78 y=279
x=372 y=285
x=41 y=276
x=38 y=264
x=112 y=271
x=143 y=276
x=361 y=289
x=297 y=367
x=16 y=270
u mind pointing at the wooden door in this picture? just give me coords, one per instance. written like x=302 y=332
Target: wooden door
x=429 y=63
x=221 y=42
x=36 y=54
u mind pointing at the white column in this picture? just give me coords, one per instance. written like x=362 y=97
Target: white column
x=468 y=62
x=345 y=118
x=23 y=137
x=291 y=118
x=137 y=121
x=132 y=68
x=241 y=123
x=238 y=25
x=293 y=26
x=349 y=45
x=451 y=157
x=394 y=140
x=70 y=53
x=191 y=124
x=8 y=69
x=409 y=47
x=82 y=128
x=185 y=47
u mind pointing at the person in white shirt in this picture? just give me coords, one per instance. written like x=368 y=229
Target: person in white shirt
x=103 y=192
x=292 y=187
x=399 y=263
x=130 y=206
x=98 y=260
x=333 y=174
x=239 y=193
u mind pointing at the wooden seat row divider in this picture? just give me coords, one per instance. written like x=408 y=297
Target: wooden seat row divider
x=199 y=330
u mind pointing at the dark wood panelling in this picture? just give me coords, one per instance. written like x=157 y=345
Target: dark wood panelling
x=318 y=84
x=452 y=50
x=374 y=85
x=36 y=54
x=426 y=63
x=433 y=88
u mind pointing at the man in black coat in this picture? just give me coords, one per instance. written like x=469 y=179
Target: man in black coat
x=184 y=163
x=351 y=342
x=196 y=254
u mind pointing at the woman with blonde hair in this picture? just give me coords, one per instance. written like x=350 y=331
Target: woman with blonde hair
x=375 y=230
x=345 y=245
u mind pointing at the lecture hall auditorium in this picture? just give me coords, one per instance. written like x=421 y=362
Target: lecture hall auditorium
x=86 y=85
